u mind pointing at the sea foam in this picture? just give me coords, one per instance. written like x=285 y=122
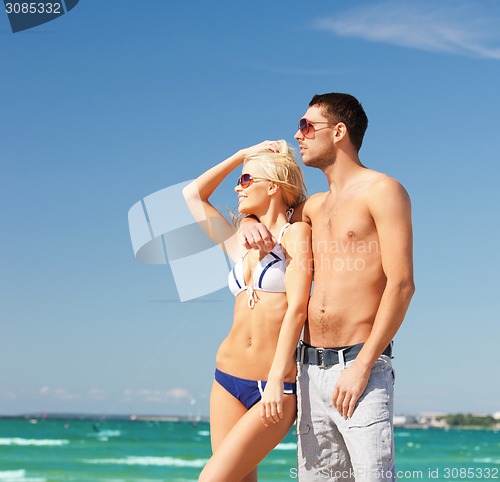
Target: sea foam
x=486 y=460
x=158 y=461
x=286 y=446
x=37 y=442
x=18 y=476
x=104 y=435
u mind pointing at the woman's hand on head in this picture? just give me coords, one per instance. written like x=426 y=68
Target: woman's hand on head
x=270 y=146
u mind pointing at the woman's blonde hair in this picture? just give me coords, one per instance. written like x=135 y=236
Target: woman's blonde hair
x=281 y=167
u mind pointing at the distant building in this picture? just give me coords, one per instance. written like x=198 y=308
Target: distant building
x=399 y=420
x=433 y=419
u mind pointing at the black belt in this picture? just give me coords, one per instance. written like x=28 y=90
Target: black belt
x=325 y=357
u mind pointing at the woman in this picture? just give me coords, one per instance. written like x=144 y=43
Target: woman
x=253 y=401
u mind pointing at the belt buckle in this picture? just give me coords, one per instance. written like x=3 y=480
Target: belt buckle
x=321 y=358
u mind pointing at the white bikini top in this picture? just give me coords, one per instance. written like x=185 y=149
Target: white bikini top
x=268 y=275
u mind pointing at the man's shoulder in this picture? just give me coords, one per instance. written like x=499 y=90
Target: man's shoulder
x=311 y=205
x=381 y=182
x=315 y=199
x=384 y=192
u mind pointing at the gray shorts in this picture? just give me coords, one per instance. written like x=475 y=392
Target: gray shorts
x=331 y=448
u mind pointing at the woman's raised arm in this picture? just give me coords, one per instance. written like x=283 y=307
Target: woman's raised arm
x=197 y=195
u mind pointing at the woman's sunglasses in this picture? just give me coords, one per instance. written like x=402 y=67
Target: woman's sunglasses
x=246 y=180
x=306 y=127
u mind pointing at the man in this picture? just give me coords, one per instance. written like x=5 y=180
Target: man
x=363 y=284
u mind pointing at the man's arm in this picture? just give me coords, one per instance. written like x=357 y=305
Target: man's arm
x=390 y=207
x=255 y=235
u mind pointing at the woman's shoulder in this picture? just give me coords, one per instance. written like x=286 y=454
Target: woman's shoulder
x=298 y=231
x=299 y=227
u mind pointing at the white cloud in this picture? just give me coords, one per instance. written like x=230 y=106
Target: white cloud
x=57 y=393
x=155 y=396
x=8 y=394
x=44 y=392
x=457 y=28
x=97 y=394
x=178 y=393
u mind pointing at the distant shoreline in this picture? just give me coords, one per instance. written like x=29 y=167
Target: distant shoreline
x=35 y=417
x=457 y=427
x=101 y=417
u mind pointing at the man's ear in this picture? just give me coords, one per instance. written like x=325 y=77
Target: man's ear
x=339 y=131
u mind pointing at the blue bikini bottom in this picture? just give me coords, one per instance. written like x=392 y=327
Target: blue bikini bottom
x=248 y=392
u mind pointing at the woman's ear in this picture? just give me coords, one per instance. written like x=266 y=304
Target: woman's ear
x=273 y=188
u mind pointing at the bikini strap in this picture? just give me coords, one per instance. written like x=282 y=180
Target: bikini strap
x=280 y=235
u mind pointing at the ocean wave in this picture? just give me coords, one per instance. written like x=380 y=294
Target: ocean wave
x=286 y=446
x=135 y=480
x=106 y=433
x=413 y=445
x=157 y=461
x=279 y=462
x=37 y=442
x=486 y=460
x=140 y=480
x=18 y=476
x=205 y=433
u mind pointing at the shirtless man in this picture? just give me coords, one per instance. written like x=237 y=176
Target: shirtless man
x=363 y=284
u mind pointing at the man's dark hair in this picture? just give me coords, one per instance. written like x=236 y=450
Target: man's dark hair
x=347 y=109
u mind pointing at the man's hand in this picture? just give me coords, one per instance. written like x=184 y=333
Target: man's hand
x=255 y=235
x=350 y=386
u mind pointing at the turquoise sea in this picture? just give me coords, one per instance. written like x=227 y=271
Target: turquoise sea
x=45 y=450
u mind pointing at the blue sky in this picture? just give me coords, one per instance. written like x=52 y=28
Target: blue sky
x=109 y=104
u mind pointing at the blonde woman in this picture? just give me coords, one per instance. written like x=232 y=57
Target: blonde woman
x=253 y=401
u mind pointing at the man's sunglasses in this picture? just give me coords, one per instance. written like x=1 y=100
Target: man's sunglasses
x=306 y=127
x=246 y=180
